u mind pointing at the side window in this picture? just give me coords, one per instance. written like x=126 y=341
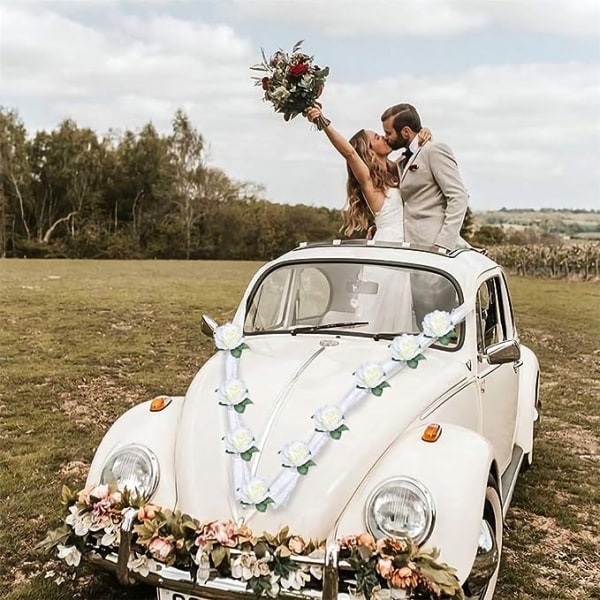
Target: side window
x=491 y=324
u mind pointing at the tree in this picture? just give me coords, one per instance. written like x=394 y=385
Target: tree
x=15 y=173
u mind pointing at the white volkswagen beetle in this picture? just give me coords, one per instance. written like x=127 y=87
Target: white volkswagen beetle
x=368 y=403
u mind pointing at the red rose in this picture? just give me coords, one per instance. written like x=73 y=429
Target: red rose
x=298 y=70
x=265 y=83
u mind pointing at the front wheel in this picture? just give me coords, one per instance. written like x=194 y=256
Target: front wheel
x=481 y=582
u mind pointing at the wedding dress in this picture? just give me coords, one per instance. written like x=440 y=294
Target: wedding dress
x=390 y=310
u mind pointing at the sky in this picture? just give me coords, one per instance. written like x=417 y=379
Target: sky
x=512 y=86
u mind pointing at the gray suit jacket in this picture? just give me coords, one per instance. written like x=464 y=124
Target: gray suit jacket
x=435 y=199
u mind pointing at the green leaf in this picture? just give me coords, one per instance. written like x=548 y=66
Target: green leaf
x=262 y=506
x=336 y=434
x=412 y=363
x=378 y=390
x=297 y=46
x=236 y=352
x=247 y=455
x=303 y=469
x=53 y=538
x=240 y=407
x=218 y=555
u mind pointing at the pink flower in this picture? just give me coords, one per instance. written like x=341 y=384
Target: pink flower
x=148 y=511
x=161 y=549
x=366 y=540
x=348 y=541
x=296 y=544
x=385 y=567
x=222 y=532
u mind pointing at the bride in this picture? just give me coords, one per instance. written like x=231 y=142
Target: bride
x=372 y=190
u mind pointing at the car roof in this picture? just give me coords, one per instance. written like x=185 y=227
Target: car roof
x=465 y=265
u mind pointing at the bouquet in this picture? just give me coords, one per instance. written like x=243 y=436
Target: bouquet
x=292 y=82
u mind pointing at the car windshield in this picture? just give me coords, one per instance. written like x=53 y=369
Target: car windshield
x=380 y=300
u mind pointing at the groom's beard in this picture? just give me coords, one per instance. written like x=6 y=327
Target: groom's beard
x=398 y=144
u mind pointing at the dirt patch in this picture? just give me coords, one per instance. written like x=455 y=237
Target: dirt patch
x=98 y=401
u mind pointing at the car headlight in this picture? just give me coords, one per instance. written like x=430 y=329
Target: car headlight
x=133 y=468
x=400 y=508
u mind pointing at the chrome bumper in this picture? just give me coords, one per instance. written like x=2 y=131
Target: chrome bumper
x=218 y=588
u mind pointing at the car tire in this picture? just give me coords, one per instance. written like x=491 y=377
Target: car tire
x=492 y=513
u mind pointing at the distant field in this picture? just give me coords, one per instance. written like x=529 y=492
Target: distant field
x=81 y=341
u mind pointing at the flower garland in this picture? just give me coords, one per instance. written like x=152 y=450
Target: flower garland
x=220 y=549
x=297 y=456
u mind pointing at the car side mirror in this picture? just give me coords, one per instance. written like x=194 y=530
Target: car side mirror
x=209 y=326
x=503 y=352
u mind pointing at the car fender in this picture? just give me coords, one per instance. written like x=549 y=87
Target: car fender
x=454 y=469
x=155 y=430
x=528 y=390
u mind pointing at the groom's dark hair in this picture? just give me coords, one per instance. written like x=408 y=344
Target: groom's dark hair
x=405 y=115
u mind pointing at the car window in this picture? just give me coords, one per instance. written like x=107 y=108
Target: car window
x=491 y=323
x=375 y=299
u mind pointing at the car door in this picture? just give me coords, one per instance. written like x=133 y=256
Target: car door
x=499 y=383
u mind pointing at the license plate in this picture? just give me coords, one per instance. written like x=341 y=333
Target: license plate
x=169 y=595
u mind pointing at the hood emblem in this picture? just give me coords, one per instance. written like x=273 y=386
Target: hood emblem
x=326 y=343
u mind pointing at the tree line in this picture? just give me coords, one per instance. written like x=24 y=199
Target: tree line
x=70 y=193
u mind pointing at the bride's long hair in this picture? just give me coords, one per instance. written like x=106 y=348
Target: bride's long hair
x=384 y=175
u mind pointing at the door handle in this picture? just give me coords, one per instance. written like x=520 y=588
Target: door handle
x=517 y=365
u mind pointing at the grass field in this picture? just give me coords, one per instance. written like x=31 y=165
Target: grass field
x=81 y=341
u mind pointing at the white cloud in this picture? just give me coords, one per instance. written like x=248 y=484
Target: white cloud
x=429 y=17
x=524 y=134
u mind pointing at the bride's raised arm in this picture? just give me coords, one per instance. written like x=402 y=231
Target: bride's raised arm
x=355 y=162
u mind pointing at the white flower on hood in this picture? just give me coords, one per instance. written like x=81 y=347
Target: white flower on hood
x=295 y=454
x=254 y=492
x=437 y=324
x=328 y=418
x=405 y=347
x=369 y=376
x=228 y=337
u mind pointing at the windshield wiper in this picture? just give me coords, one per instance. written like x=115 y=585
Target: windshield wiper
x=311 y=328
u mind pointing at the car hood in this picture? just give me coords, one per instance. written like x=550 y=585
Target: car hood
x=288 y=380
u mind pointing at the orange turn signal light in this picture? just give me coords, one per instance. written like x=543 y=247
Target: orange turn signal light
x=432 y=433
x=159 y=403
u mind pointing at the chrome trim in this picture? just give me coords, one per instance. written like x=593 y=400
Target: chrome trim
x=443 y=398
x=508 y=492
x=154 y=466
x=208 y=326
x=125 y=547
x=279 y=401
x=486 y=561
x=219 y=588
x=378 y=533
x=331 y=579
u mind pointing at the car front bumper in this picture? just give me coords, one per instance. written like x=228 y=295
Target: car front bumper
x=219 y=588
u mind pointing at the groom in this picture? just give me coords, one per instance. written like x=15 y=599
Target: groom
x=435 y=202
x=435 y=198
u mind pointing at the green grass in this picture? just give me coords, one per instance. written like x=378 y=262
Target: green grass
x=82 y=341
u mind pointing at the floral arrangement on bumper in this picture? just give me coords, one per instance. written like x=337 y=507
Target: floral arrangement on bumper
x=292 y=82
x=328 y=422
x=221 y=549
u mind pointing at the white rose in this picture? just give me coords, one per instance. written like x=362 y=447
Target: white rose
x=69 y=554
x=437 y=324
x=328 y=418
x=141 y=564
x=369 y=376
x=295 y=454
x=405 y=347
x=239 y=441
x=232 y=392
x=228 y=337
x=254 y=492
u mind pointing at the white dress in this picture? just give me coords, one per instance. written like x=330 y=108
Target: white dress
x=390 y=218
x=390 y=310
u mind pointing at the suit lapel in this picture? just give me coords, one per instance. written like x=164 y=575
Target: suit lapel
x=411 y=160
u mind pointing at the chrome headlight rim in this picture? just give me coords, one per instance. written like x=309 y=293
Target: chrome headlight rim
x=414 y=485
x=151 y=459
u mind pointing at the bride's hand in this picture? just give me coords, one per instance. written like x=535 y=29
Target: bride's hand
x=313 y=113
x=424 y=135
